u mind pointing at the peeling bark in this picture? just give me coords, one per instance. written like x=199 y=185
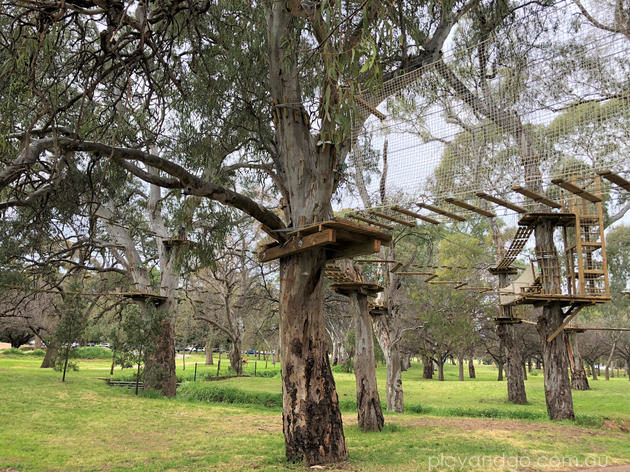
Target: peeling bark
x=579 y=381
x=312 y=425
x=555 y=363
x=159 y=369
x=394 y=399
x=370 y=415
x=514 y=363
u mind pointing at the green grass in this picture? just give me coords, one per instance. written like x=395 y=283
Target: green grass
x=480 y=397
x=86 y=425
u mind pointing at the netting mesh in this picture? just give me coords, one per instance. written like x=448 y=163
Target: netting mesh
x=497 y=114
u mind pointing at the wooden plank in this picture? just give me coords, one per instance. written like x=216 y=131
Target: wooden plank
x=356 y=228
x=396 y=267
x=615 y=179
x=573 y=311
x=501 y=202
x=415 y=273
x=537 y=197
x=468 y=206
x=358 y=249
x=413 y=214
x=457 y=287
x=392 y=218
x=580 y=192
x=296 y=245
x=371 y=108
x=445 y=282
x=430 y=278
x=372 y=222
x=375 y=261
x=435 y=209
x=584 y=328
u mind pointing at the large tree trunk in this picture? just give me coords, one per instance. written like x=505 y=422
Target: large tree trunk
x=312 y=425
x=159 y=367
x=209 y=347
x=440 y=363
x=368 y=401
x=555 y=364
x=405 y=362
x=578 y=374
x=594 y=371
x=236 y=358
x=500 y=366
x=427 y=363
x=610 y=356
x=49 y=358
x=460 y=362
x=471 y=368
x=514 y=363
x=391 y=352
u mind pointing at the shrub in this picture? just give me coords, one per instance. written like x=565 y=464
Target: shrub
x=93 y=352
x=210 y=393
x=346 y=367
x=37 y=353
x=13 y=352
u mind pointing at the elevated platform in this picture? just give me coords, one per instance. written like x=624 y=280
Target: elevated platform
x=539 y=299
x=335 y=274
x=177 y=241
x=509 y=321
x=377 y=308
x=347 y=288
x=156 y=300
x=341 y=239
x=527 y=224
x=558 y=219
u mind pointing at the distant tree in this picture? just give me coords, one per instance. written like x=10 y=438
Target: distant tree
x=14 y=331
x=74 y=316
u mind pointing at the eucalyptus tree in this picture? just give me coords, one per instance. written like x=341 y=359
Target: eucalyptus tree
x=103 y=82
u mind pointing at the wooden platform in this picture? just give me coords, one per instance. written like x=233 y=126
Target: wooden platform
x=565 y=300
x=558 y=219
x=377 y=309
x=172 y=242
x=157 y=300
x=509 y=321
x=341 y=239
x=347 y=288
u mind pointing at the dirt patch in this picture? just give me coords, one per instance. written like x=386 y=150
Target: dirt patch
x=488 y=424
x=622 y=426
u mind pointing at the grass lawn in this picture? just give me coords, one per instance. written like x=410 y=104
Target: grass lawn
x=86 y=425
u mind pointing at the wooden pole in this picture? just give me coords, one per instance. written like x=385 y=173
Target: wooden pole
x=195 y=378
